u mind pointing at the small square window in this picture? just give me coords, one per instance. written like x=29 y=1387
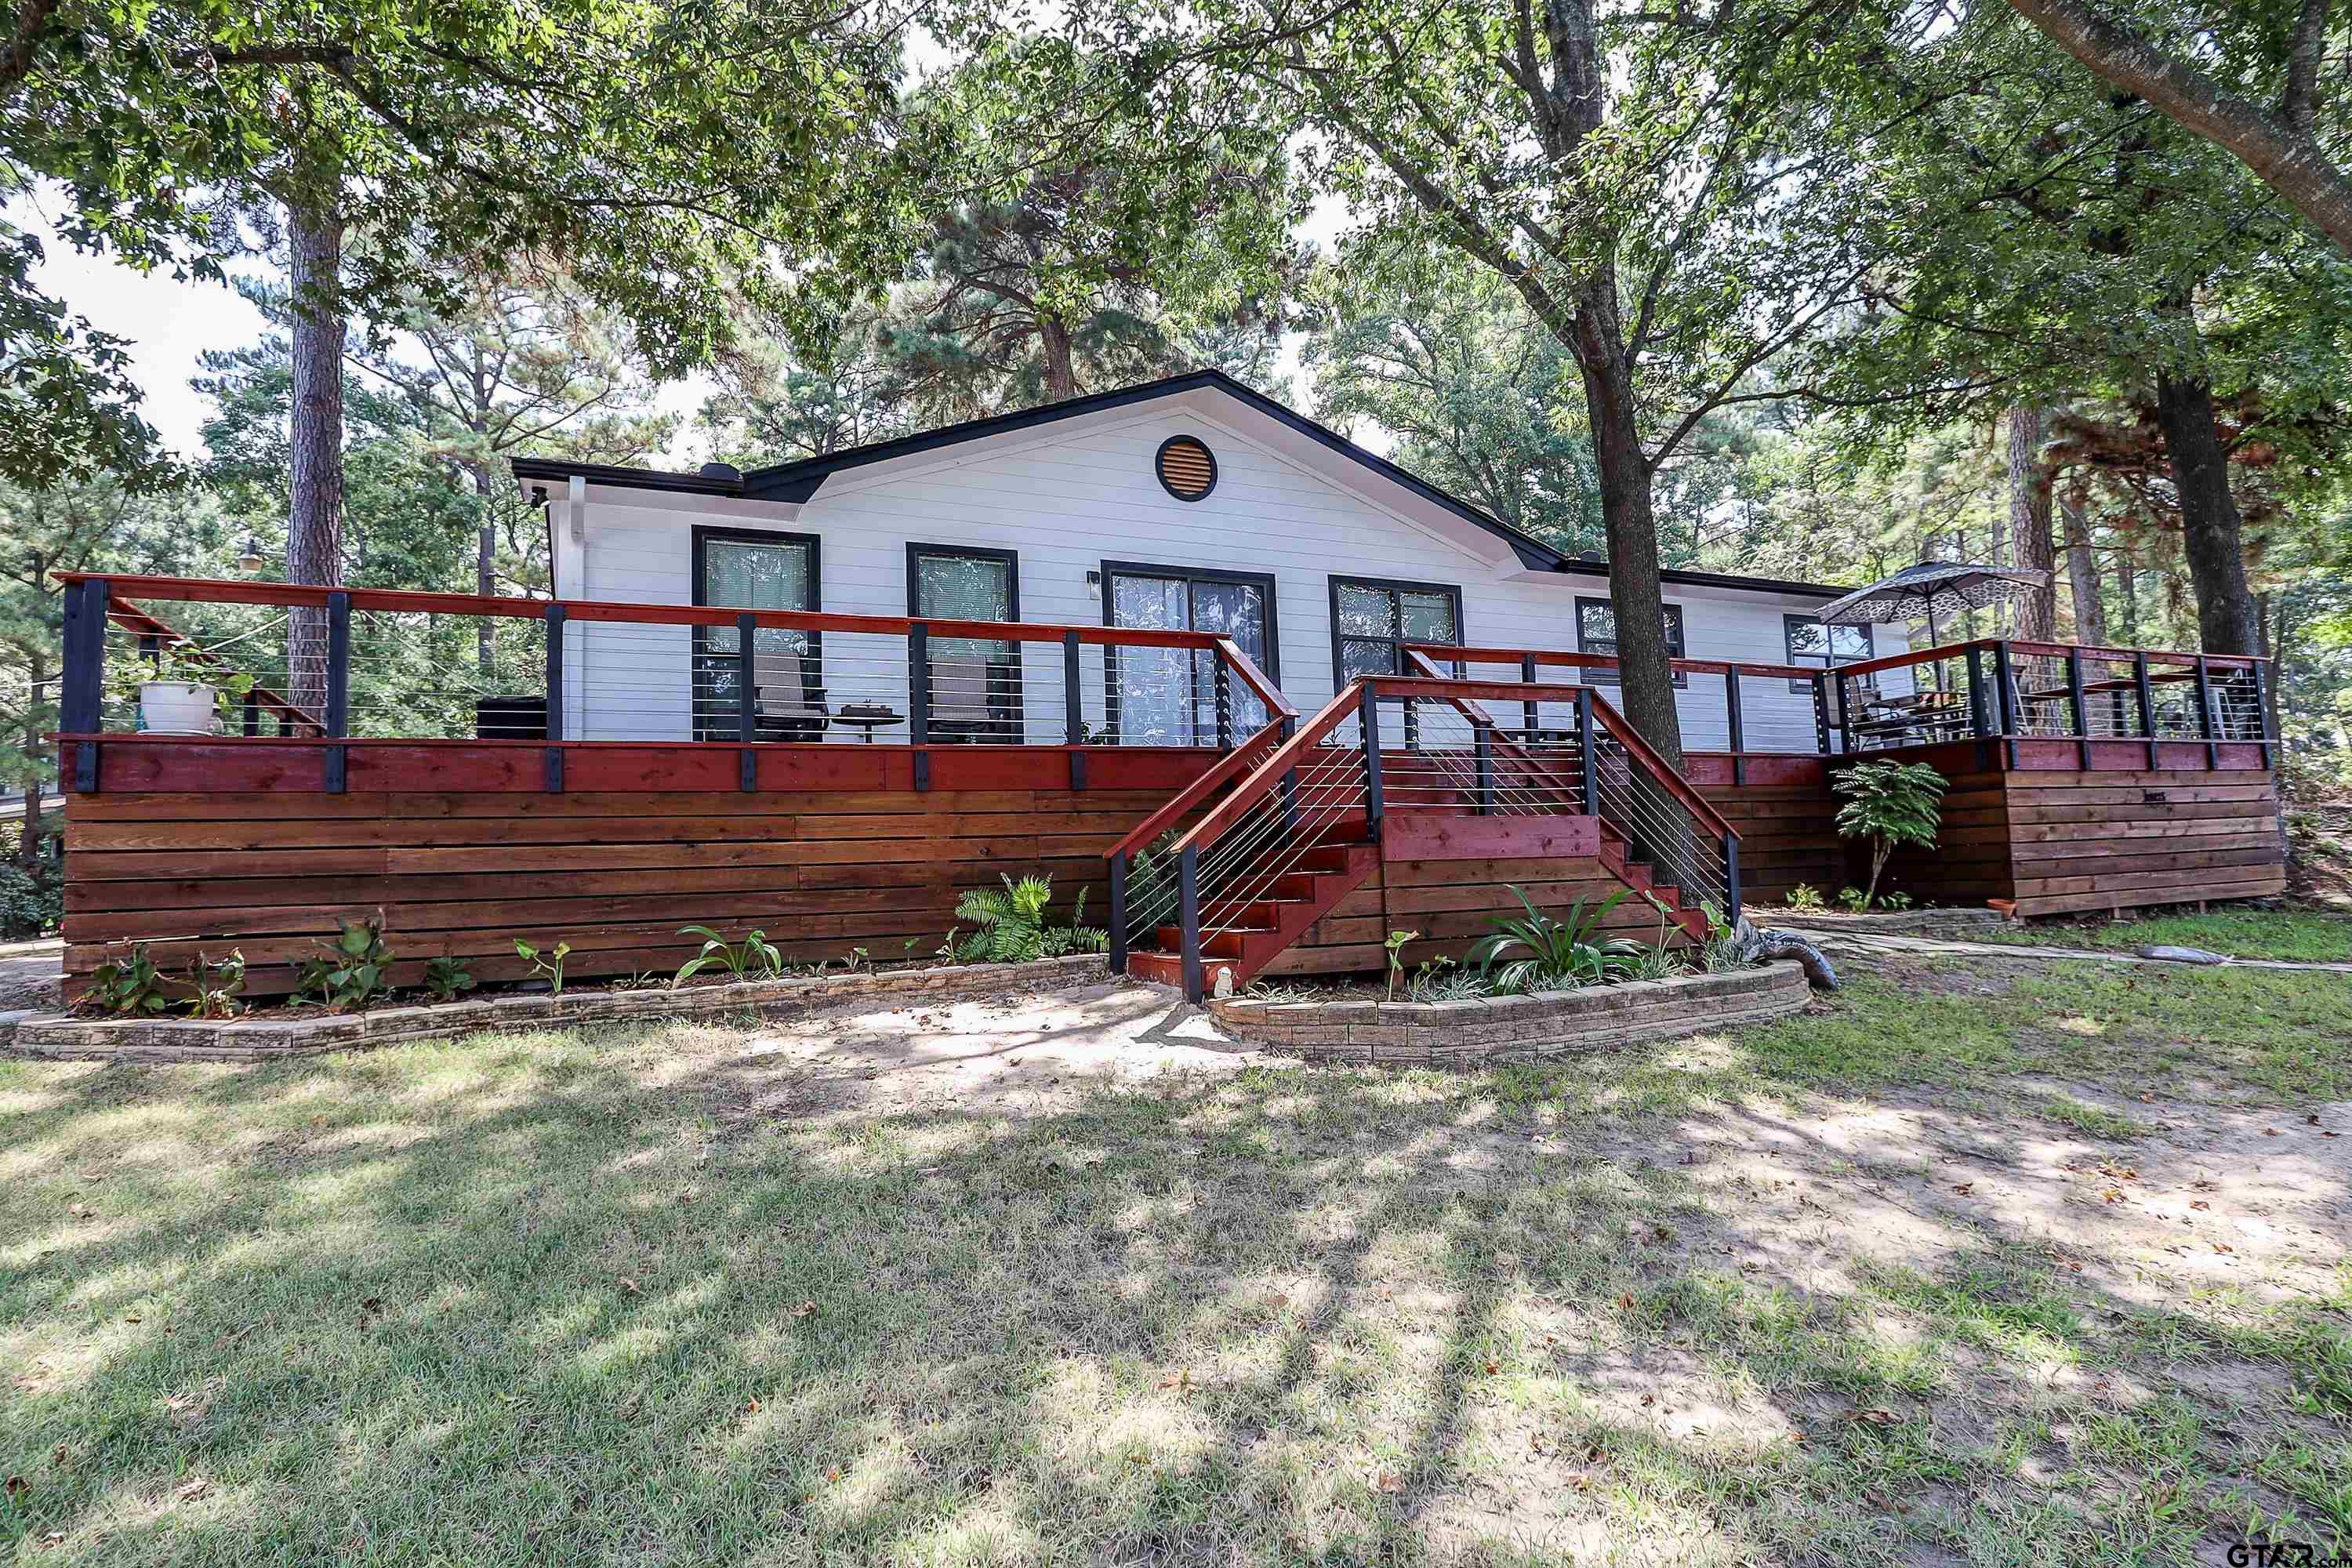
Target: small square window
x=1596 y=632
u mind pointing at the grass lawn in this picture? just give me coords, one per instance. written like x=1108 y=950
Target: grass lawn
x=2300 y=936
x=1975 y=1263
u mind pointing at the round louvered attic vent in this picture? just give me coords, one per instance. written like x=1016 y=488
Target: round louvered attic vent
x=1188 y=470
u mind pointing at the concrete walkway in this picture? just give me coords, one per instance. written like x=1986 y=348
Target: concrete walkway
x=31 y=973
x=1885 y=943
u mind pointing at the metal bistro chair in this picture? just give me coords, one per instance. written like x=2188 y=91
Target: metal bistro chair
x=791 y=704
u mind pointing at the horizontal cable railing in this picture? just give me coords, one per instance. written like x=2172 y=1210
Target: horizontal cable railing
x=2000 y=690
x=201 y=657
x=1745 y=708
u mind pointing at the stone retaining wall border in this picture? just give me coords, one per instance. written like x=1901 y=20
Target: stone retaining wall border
x=1532 y=1027
x=60 y=1037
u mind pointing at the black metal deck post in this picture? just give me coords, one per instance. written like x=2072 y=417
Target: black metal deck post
x=2146 y=693
x=552 y=767
x=1188 y=921
x=339 y=690
x=2076 y=710
x=1118 y=913
x=1822 y=711
x=919 y=700
x=1224 y=695
x=1074 y=721
x=1368 y=709
x=2264 y=728
x=1584 y=752
x=747 y=704
x=1290 y=780
x=1979 y=717
x=1735 y=726
x=82 y=695
x=1731 y=880
x=2205 y=713
x=2005 y=697
x=1485 y=741
x=1528 y=710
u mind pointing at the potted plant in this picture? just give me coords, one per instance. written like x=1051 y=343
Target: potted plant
x=179 y=696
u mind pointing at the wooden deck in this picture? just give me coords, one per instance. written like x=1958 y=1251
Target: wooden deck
x=2081 y=779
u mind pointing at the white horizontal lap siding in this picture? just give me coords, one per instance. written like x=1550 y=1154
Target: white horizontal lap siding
x=1065 y=500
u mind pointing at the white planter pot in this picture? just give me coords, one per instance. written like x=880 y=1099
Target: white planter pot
x=175 y=707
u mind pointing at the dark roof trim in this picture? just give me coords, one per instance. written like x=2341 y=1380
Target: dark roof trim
x=1714 y=580
x=793 y=482
x=628 y=477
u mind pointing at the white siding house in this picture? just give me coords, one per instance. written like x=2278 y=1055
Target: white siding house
x=1070 y=504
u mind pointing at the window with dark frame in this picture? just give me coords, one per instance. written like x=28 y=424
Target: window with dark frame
x=749 y=569
x=970 y=583
x=1168 y=696
x=1819 y=645
x=1596 y=632
x=1372 y=619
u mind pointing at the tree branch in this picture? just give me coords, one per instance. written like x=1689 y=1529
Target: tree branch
x=2284 y=158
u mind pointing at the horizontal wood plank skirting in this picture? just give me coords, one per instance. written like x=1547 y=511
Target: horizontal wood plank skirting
x=1515 y=1028
x=1408 y=835
x=2063 y=842
x=61 y=1037
x=613 y=873
x=1452 y=903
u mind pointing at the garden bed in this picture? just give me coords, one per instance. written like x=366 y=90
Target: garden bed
x=65 y=1036
x=1528 y=1027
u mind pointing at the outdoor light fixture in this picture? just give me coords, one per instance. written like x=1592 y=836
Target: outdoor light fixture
x=249 y=559
x=1093 y=584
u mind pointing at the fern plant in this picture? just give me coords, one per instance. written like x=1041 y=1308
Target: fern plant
x=1012 y=923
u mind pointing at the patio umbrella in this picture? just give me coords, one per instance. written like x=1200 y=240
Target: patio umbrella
x=1931 y=588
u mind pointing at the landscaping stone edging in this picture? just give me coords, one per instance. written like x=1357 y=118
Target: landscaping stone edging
x=60 y=1036
x=1515 y=1028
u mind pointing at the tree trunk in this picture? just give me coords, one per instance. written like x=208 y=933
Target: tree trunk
x=486 y=576
x=2083 y=573
x=2029 y=521
x=1646 y=689
x=1061 y=376
x=2227 y=621
x=315 y=520
x=2127 y=584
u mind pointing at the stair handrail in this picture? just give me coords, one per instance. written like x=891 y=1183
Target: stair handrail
x=1173 y=809
x=1605 y=714
x=1267 y=775
x=1257 y=679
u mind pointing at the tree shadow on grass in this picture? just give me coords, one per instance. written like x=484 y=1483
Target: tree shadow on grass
x=556 y=1300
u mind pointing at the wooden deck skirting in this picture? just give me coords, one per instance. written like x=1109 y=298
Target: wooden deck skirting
x=614 y=871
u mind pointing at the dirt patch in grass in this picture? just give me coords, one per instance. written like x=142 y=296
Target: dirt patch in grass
x=1925 y=1278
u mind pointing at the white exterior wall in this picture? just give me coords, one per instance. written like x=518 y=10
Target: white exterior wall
x=1068 y=496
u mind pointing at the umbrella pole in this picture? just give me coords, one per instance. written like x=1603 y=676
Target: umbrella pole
x=1935 y=639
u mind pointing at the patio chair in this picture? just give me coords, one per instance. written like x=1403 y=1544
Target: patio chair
x=974 y=700
x=791 y=704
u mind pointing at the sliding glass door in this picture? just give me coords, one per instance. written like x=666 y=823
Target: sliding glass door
x=1168 y=697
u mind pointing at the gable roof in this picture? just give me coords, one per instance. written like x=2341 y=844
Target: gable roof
x=800 y=480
